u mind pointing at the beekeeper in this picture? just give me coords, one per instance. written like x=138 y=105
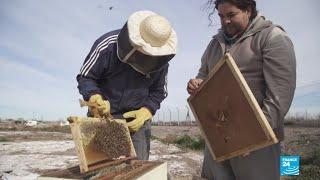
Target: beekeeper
x=125 y=73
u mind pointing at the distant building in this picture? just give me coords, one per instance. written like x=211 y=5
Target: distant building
x=64 y=123
x=31 y=123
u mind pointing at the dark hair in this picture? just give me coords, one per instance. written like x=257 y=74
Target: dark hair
x=241 y=4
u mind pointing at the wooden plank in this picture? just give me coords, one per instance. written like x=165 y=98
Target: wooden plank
x=228 y=115
x=98 y=141
x=251 y=99
x=130 y=169
x=75 y=173
x=76 y=134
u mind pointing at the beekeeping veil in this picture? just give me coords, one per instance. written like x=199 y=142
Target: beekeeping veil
x=146 y=42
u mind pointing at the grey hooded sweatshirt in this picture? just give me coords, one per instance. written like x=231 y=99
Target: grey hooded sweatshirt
x=266 y=58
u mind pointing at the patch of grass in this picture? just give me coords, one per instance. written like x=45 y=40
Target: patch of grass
x=4 y=139
x=288 y=123
x=169 y=139
x=313 y=160
x=8 y=129
x=310 y=167
x=152 y=137
x=63 y=129
x=308 y=172
x=54 y=128
x=188 y=142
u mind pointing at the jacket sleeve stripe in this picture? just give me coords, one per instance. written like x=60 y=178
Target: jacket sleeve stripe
x=95 y=51
x=95 y=54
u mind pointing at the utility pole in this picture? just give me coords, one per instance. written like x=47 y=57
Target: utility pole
x=188 y=118
x=178 y=115
x=163 y=113
x=170 y=115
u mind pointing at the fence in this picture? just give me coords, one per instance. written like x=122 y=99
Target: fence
x=174 y=116
x=177 y=116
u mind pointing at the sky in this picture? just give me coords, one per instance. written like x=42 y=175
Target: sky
x=44 y=43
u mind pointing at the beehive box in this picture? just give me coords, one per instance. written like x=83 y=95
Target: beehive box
x=100 y=141
x=228 y=114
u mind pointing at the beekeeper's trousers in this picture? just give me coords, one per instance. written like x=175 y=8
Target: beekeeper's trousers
x=141 y=141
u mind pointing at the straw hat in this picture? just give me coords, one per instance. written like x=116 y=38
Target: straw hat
x=151 y=34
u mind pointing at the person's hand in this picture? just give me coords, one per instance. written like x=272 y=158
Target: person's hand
x=193 y=84
x=140 y=116
x=102 y=107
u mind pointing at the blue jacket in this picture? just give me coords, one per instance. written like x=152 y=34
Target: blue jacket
x=126 y=89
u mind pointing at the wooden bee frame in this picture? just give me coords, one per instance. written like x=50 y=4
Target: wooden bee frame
x=228 y=114
x=91 y=155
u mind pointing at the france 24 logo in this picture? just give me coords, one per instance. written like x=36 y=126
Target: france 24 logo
x=289 y=165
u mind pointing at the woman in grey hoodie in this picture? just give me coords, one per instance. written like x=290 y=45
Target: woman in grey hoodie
x=265 y=56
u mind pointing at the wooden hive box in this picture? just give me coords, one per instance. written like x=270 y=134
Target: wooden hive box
x=117 y=170
x=99 y=142
x=228 y=114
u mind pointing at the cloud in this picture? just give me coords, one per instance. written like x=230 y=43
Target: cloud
x=307 y=99
x=25 y=90
x=51 y=39
x=44 y=43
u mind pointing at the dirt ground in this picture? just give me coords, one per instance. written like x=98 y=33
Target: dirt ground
x=26 y=154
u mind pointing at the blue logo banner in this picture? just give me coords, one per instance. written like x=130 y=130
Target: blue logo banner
x=289 y=165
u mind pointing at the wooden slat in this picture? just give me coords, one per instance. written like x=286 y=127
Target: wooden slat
x=124 y=170
x=251 y=99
